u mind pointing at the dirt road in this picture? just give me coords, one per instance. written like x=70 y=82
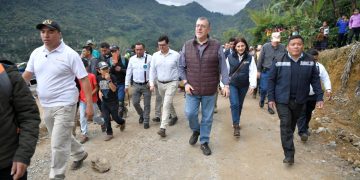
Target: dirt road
x=141 y=154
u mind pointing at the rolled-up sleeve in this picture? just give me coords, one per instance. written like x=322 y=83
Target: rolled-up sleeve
x=182 y=64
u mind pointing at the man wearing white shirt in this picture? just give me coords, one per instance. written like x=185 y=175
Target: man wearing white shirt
x=305 y=117
x=55 y=66
x=164 y=68
x=139 y=67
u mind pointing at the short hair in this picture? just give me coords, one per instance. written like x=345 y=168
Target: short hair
x=88 y=48
x=140 y=43
x=296 y=37
x=85 y=62
x=243 y=41
x=204 y=19
x=105 y=45
x=313 y=52
x=164 y=38
x=232 y=39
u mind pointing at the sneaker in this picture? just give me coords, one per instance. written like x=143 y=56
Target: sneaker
x=271 y=111
x=146 y=125
x=236 y=130
x=83 y=139
x=288 y=160
x=173 y=121
x=108 y=137
x=103 y=128
x=141 y=120
x=162 y=132
x=122 y=126
x=205 y=149
x=156 y=119
x=77 y=164
x=194 y=138
x=304 y=137
x=261 y=104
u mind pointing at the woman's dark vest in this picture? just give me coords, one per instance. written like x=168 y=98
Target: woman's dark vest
x=241 y=77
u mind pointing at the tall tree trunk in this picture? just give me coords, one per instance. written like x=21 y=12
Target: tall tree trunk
x=336 y=10
x=353 y=5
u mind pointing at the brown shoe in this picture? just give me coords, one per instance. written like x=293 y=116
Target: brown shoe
x=77 y=164
x=236 y=130
x=162 y=132
x=108 y=137
x=121 y=126
x=83 y=139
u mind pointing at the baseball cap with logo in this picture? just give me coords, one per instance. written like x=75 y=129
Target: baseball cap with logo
x=89 y=42
x=114 y=48
x=275 y=37
x=50 y=24
x=102 y=65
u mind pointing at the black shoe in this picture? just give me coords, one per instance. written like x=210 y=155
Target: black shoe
x=236 y=130
x=288 y=160
x=141 y=120
x=271 y=111
x=261 y=104
x=156 y=119
x=304 y=137
x=205 y=149
x=146 y=125
x=77 y=164
x=122 y=126
x=162 y=132
x=194 y=138
x=173 y=121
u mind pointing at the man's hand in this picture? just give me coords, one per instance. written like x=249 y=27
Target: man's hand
x=107 y=76
x=328 y=95
x=251 y=90
x=152 y=88
x=226 y=91
x=320 y=104
x=188 y=89
x=126 y=89
x=18 y=169
x=258 y=75
x=272 y=104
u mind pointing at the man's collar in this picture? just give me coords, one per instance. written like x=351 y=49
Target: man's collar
x=60 y=48
x=196 y=41
x=302 y=54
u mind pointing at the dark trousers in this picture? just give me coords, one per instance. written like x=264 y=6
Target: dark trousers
x=305 y=117
x=111 y=108
x=5 y=174
x=288 y=115
x=341 y=39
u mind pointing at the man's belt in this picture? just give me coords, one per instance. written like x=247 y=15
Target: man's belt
x=141 y=84
x=164 y=82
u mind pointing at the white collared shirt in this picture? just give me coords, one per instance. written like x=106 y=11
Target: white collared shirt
x=55 y=73
x=324 y=78
x=136 y=68
x=164 y=67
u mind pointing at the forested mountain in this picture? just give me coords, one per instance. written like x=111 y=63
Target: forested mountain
x=121 y=22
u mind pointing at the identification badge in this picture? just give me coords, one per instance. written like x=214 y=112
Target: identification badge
x=145 y=66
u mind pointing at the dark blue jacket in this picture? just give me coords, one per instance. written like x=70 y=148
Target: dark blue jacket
x=342 y=26
x=280 y=79
x=241 y=78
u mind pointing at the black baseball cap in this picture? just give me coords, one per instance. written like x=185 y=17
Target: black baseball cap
x=114 y=48
x=50 y=24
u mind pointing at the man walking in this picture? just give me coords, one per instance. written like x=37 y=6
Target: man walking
x=19 y=119
x=290 y=78
x=164 y=68
x=139 y=67
x=201 y=60
x=267 y=55
x=55 y=66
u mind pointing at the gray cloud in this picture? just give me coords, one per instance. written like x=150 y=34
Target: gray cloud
x=229 y=7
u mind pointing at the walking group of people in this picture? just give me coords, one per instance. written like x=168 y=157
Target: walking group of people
x=286 y=76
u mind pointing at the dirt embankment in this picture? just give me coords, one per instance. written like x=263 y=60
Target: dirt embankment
x=339 y=122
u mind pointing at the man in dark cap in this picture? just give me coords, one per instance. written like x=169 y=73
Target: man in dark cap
x=55 y=66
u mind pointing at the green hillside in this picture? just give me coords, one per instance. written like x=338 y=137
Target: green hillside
x=121 y=22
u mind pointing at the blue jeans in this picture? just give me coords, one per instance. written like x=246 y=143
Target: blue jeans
x=264 y=78
x=192 y=104
x=83 y=119
x=237 y=96
x=121 y=91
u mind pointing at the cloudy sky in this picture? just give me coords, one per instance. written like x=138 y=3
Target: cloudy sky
x=229 y=7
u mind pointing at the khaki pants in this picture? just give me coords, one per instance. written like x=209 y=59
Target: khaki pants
x=59 y=122
x=167 y=92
